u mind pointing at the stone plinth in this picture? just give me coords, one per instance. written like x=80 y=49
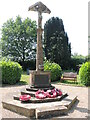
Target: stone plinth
x=40 y=79
x=41 y=110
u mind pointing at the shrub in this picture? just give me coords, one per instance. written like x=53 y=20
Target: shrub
x=11 y=72
x=84 y=74
x=55 y=70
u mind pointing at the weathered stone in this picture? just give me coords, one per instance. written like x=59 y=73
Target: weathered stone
x=32 y=94
x=18 y=108
x=39 y=6
x=40 y=109
x=32 y=88
x=39 y=56
x=40 y=79
x=45 y=112
x=35 y=100
x=69 y=101
x=44 y=79
x=15 y=97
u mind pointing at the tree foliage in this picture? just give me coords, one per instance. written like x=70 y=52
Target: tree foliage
x=76 y=61
x=18 y=39
x=56 y=42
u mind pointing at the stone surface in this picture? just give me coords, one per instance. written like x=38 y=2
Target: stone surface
x=46 y=112
x=39 y=56
x=78 y=110
x=33 y=88
x=69 y=101
x=39 y=109
x=31 y=93
x=35 y=100
x=19 y=108
x=40 y=79
x=39 y=6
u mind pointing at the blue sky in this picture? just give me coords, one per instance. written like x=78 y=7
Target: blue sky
x=74 y=14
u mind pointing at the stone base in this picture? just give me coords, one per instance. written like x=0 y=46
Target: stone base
x=33 y=88
x=35 y=100
x=49 y=112
x=40 y=79
x=41 y=110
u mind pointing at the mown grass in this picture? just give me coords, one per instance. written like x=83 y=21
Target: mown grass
x=24 y=78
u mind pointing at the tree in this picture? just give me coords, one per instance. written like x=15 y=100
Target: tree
x=56 y=42
x=19 y=39
x=76 y=61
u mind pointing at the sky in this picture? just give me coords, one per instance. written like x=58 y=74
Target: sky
x=74 y=14
x=89 y=27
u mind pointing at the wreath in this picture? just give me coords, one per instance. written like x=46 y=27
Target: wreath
x=51 y=93
x=59 y=92
x=40 y=94
x=24 y=97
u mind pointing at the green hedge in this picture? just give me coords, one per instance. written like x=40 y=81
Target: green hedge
x=55 y=70
x=11 y=72
x=84 y=74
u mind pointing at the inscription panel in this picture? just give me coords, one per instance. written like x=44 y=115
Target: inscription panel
x=41 y=80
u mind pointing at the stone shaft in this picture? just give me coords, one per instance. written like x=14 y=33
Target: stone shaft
x=39 y=57
x=40 y=8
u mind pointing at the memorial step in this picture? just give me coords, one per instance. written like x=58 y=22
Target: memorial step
x=31 y=93
x=69 y=101
x=56 y=109
x=48 y=112
x=32 y=88
x=35 y=100
x=40 y=110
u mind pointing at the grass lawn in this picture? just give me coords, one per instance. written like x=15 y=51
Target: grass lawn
x=69 y=83
x=25 y=80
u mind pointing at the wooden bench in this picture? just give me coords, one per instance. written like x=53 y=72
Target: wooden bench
x=69 y=76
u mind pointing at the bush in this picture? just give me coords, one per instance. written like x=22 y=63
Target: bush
x=55 y=70
x=11 y=72
x=84 y=74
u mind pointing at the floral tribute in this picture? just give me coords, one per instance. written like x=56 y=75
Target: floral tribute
x=24 y=97
x=40 y=94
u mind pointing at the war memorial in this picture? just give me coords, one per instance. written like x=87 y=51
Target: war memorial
x=40 y=99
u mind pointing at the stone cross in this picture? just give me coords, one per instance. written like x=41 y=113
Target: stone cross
x=40 y=8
